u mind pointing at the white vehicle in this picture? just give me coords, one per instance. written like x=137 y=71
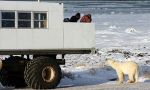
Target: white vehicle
x=37 y=29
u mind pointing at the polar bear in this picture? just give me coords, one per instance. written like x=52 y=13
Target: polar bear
x=129 y=67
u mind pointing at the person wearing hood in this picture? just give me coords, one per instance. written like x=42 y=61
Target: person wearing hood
x=75 y=18
x=86 y=18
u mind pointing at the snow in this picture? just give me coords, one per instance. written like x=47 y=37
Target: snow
x=92 y=69
x=130 y=30
x=123 y=36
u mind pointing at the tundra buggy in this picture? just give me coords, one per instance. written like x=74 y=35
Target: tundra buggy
x=37 y=29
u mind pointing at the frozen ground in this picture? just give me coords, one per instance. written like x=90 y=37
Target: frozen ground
x=120 y=36
x=82 y=70
x=110 y=86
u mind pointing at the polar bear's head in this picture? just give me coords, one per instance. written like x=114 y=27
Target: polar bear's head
x=110 y=61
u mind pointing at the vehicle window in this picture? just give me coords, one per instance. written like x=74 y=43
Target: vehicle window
x=40 y=20
x=8 y=19
x=24 y=20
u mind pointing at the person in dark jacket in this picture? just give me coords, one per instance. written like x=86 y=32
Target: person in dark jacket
x=66 y=20
x=75 y=18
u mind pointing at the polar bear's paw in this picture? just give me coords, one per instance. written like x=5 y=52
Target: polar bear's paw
x=129 y=81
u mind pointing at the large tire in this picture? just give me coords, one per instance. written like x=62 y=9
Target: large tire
x=4 y=79
x=11 y=75
x=10 y=79
x=42 y=73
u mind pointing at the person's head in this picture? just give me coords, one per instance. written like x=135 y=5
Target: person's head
x=78 y=15
x=89 y=15
x=109 y=61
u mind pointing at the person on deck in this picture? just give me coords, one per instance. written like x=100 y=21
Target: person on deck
x=75 y=18
x=86 y=18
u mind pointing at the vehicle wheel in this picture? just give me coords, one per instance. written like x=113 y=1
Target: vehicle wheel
x=4 y=78
x=10 y=75
x=8 y=79
x=42 y=73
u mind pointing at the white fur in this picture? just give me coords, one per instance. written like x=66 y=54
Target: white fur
x=129 y=67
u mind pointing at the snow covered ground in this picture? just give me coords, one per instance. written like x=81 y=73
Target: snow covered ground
x=122 y=35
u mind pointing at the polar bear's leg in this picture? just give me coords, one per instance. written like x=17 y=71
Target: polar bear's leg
x=120 y=77
x=136 y=76
x=131 y=78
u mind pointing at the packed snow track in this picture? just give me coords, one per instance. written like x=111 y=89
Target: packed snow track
x=137 y=86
